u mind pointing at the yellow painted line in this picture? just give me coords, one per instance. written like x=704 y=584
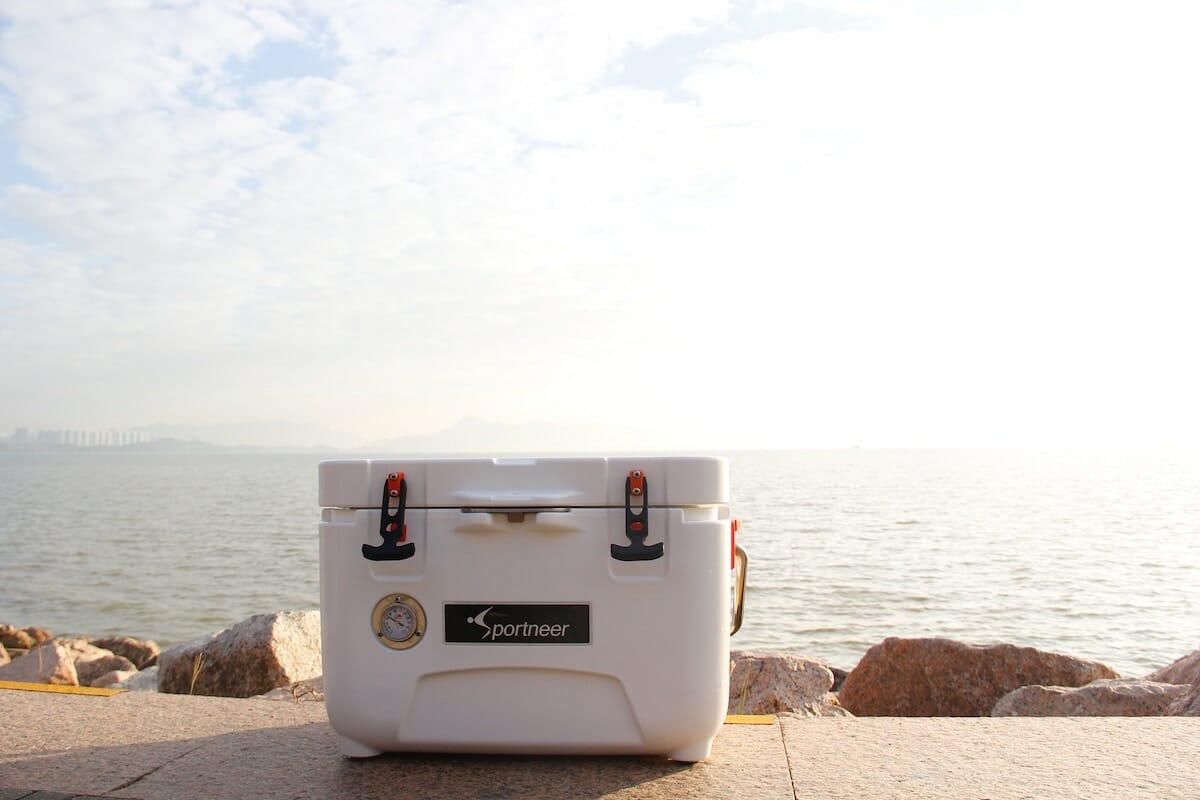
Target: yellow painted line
x=750 y=719
x=46 y=687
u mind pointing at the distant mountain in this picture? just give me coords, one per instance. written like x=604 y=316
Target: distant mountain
x=266 y=433
x=472 y=435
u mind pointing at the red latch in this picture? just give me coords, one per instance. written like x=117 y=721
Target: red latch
x=733 y=529
x=392 y=487
x=637 y=483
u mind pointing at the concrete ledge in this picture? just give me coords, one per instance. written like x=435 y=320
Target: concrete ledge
x=148 y=745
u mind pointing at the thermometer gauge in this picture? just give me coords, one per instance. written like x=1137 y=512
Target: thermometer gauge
x=398 y=621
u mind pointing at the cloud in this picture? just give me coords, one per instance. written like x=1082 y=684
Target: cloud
x=478 y=209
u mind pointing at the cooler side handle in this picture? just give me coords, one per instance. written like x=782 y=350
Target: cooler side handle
x=741 y=562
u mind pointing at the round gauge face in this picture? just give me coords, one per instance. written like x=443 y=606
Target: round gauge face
x=399 y=622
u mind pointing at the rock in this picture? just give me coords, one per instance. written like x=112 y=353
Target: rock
x=312 y=691
x=144 y=681
x=47 y=663
x=90 y=671
x=4 y=659
x=23 y=638
x=39 y=635
x=261 y=653
x=91 y=661
x=945 y=678
x=1187 y=705
x=1121 y=697
x=763 y=682
x=1181 y=670
x=141 y=653
x=16 y=638
x=112 y=678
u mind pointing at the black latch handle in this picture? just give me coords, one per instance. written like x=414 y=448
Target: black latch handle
x=392 y=529
x=637 y=524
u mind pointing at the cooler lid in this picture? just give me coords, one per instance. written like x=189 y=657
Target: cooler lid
x=525 y=482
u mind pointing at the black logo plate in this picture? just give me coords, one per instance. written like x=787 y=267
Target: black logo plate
x=524 y=623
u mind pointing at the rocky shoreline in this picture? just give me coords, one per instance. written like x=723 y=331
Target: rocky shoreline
x=278 y=656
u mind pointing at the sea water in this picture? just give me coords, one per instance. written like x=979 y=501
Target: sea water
x=1091 y=553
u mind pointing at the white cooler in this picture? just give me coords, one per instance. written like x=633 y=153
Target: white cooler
x=560 y=605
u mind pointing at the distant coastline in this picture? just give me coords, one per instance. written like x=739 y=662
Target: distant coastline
x=166 y=445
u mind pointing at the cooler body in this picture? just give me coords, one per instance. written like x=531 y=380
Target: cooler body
x=526 y=605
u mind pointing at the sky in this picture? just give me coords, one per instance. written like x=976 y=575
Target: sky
x=724 y=224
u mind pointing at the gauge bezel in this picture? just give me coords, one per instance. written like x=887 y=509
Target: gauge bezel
x=377 y=621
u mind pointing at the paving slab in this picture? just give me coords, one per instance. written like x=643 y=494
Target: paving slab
x=1092 y=758
x=148 y=745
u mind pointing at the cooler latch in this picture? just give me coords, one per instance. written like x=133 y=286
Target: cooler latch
x=637 y=523
x=392 y=529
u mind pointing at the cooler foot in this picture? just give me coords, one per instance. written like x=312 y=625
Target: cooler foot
x=695 y=752
x=353 y=749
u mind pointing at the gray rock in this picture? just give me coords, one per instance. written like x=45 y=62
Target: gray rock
x=141 y=652
x=144 y=681
x=49 y=662
x=1181 y=670
x=1121 y=697
x=945 y=678
x=767 y=682
x=109 y=679
x=261 y=653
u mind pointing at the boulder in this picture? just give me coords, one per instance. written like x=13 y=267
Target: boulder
x=1121 y=697
x=1186 y=705
x=89 y=671
x=91 y=661
x=144 y=681
x=1181 y=670
x=4 y=659
x=946 y=678
x=261 y=653
x=39 y=635
x=49 y=662
x=16 y=638
x=141 y=653
x=839 y=678
x=764 y=682
x=109 y=679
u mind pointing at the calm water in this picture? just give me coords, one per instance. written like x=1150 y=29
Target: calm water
x=1096 y=554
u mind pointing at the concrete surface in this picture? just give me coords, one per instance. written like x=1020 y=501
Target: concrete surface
x=147 y=745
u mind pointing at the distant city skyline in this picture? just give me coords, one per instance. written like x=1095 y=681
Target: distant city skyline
x=746 y=224
x=110 y=437
x=466 y=435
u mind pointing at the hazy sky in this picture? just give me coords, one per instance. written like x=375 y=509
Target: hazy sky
x=737 y=224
